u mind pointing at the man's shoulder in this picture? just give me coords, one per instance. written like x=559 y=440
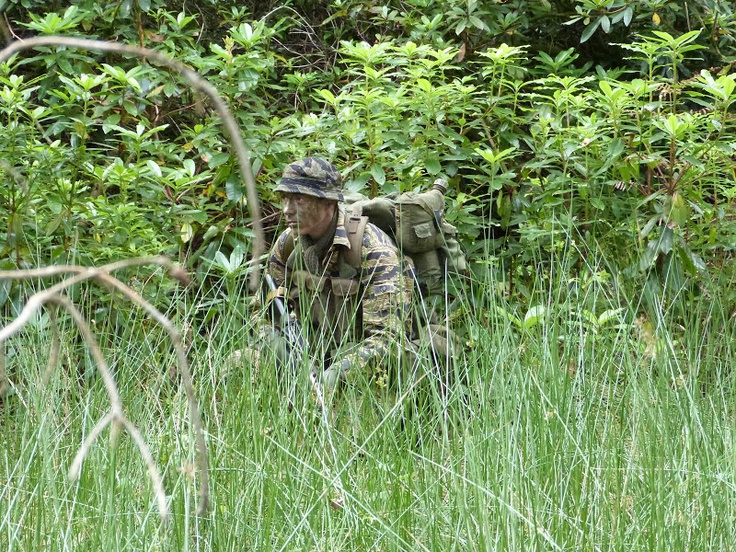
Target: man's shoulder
x=374 y=237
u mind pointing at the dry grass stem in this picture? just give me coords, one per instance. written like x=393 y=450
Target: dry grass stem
x=55 y=351
x=4 y=382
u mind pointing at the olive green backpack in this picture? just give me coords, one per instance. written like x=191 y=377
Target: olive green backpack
x=416 y=223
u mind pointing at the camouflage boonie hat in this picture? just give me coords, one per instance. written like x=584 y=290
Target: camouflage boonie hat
x=314 y=177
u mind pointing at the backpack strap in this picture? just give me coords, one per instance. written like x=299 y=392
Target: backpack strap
x=356 y=228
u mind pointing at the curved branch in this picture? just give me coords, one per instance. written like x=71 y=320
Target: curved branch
x=102 y=275
x=196 y=82
x=116 y=414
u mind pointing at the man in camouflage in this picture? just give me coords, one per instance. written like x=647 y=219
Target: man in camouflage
x=355 y=319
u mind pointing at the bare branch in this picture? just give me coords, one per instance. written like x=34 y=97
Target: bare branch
x=94 y=348
x=102 y=275
x=116 y=415
x=197 y=83
x=76 y=468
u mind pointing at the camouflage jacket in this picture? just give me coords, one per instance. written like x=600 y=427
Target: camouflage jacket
x=358 y=315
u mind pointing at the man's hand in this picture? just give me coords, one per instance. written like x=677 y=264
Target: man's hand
x=332 y=377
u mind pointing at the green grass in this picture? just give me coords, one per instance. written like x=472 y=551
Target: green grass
x=564 y=435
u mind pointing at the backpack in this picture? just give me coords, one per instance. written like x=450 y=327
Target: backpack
x=416 y=223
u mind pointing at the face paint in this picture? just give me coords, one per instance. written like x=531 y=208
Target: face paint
x=307 y=215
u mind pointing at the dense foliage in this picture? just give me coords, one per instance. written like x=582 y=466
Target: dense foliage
x=606 y=121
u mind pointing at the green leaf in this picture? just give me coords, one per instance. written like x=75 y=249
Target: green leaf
x=476 y=22
x=328 y=96
x=680 y=212
x=236 y=258
x=598 y=203
x=432 y=164
x=648 y=256
x=130 y=108
x=154 y=168
x=628 y=15
x=607 y=316
x=186 y=233
x=222 y=261
x=508 y=316
x=219 y=159
x=357 y=183
x=379 y=175
x=52 y=226
x=212 y=231
x=534 y=316
x=66 y=66
x=667 y=240
x=234 y=188
x=189 y=167
x=589 y=30
x=125 y=8
x=698 y=262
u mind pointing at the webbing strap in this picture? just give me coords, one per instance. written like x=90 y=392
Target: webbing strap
x=356 y=228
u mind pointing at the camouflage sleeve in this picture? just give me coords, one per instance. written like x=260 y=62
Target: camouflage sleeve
x=387 y=290
x=276 y=268
x=276 y=264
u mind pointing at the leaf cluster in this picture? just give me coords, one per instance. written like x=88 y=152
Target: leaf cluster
x=581 y=125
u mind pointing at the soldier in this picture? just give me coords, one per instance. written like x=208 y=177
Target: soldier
x=356 y=320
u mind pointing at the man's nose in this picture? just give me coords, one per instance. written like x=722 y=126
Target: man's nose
x=288 y=207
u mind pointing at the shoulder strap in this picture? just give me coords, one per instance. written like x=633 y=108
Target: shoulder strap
x=356 y=228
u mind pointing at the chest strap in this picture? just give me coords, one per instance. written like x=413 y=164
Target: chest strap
x=355 y=228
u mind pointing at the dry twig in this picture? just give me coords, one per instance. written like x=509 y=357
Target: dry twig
x=116 y=416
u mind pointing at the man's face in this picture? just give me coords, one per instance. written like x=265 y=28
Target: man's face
x=307 y=215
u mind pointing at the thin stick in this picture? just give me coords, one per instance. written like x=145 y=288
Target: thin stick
x=94 y=348
x=76 y=468
x=116 y=414
x=101 y=274
x=195 y=81
x=53 y=270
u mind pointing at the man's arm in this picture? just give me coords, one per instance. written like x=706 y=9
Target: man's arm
x=276 y=264
x=387 y=292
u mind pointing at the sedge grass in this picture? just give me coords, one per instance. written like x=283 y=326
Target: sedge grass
x=573 y=432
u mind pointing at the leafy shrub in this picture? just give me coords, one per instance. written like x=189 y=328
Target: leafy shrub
x=626 y=149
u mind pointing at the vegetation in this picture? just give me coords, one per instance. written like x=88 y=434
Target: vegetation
x=590 y=146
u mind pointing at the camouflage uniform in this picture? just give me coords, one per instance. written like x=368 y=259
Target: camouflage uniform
x=356 y=319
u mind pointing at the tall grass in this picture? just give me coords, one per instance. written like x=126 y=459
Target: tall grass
x=572 y=432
